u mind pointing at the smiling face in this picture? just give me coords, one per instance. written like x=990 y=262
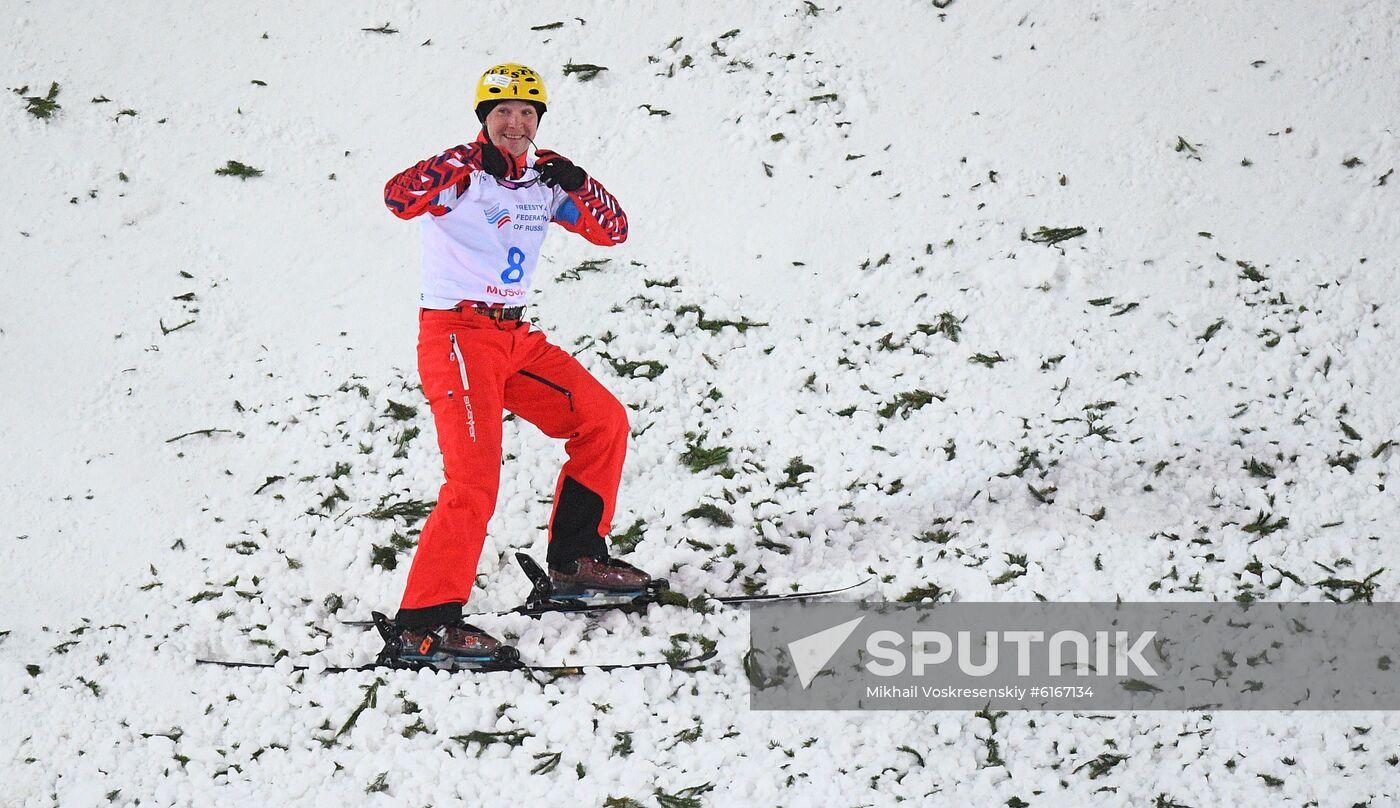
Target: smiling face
x=511 y=126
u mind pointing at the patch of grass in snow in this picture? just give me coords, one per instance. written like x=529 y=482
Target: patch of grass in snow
x=370 y=700
x=44 y=107
x=906 y=403
x=687 y=736
x=410 y=510
x=937 y=535
x=711 y=512
x=1050 y=236
x=649 y=368
x=1189 y=149
x=993 y=747
x=795 y=468
x=1363 y=590
x=887 y=343
x=1092 y=422
x=681 y=647
x=548 y=762
x=584 y=72
x=622 y=743
x=775 y=546
x=917 y=757
x=386 y=556
x=400 y=412
x=1101 y=765
x=509 y=737
x=685 y=798
x=591 y=265
x=627 y=541
x=205 y=432
x=1259 y=469
x=698 y=457
x=336 y=495
x=405 y=437
x=166 y=331
x=1028 y=458
x=1250 y=273
x=1346 y=460
x=1264 y=524
x=1211 y=330
x=269 y=481
x=948 y=325
x=931 y=592
x=354 y=385
x=705 y=324
x=1018 y=567
x=379 y=784
x=233 y=168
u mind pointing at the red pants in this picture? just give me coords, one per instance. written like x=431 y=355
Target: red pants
x=473 y=368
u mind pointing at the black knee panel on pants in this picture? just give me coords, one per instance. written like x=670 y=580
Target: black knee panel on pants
x=574 y=531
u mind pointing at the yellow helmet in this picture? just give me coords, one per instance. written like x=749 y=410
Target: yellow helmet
x=509 y=82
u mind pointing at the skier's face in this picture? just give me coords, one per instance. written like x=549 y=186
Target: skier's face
x=511 y=126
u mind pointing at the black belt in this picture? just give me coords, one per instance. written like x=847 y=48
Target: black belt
x=494 y=312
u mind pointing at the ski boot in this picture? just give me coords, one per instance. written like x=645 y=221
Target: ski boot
x=453 y=646
x=597 y=575
x=587 y=585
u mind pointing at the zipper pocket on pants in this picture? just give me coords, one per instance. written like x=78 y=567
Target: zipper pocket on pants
x=466 y=387
x=547 y=383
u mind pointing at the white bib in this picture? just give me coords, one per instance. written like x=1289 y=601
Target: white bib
x=486 y=246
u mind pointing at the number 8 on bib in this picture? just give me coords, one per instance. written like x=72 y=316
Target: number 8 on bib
x=515 y=266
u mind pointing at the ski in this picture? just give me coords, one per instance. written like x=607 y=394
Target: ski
x=543 y=600
x=506 y=658
x=486 y=667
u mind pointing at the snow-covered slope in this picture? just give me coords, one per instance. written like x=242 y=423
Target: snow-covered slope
x=201 y=376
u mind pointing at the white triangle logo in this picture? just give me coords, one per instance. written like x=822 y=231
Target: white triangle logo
x=811 y=653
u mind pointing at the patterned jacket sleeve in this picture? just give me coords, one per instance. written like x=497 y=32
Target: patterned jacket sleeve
x=593 y=213
x=430 y=186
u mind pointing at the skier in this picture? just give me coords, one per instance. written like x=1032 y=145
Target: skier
x=484 y=208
